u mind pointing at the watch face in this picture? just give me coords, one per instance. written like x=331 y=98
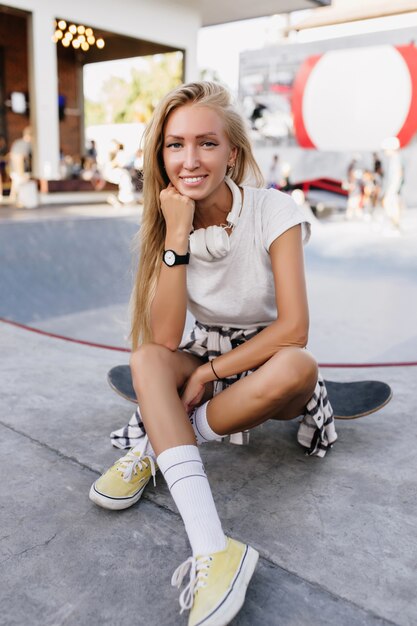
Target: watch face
x=169 y=257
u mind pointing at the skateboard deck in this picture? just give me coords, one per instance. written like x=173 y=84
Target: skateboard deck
x=349 y=400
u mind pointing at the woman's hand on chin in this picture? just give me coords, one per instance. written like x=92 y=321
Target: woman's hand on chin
x=178 y=210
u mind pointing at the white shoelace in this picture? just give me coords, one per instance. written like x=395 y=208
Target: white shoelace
x=198 y=574
x=131 y=461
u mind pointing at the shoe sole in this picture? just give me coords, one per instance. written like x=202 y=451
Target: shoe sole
x=114 y=504
x=234 y=601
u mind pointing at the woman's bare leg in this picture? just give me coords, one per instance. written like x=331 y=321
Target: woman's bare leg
x=158 y=375
x=279 y=389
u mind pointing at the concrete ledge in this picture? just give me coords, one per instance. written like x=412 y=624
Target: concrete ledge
x=74 y=197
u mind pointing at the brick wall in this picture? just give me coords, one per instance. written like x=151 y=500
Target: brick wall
x=68 y=86
x=13 y=40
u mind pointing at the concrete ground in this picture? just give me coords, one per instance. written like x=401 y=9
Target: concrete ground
x=336 y=536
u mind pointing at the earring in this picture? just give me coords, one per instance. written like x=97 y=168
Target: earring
x=230 y=169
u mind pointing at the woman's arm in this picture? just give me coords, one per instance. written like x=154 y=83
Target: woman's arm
x=169 y=306
x=291 y=327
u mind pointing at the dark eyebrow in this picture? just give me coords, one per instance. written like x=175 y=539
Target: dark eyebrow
x=198 y=136
x=207 y=135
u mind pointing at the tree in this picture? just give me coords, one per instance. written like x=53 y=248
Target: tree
x=134 y=100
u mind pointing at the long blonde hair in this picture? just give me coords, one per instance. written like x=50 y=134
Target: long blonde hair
x=152 y=231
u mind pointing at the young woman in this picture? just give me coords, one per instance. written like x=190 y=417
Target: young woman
x=241 y=264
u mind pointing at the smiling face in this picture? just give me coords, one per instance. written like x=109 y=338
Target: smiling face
x=197 y=151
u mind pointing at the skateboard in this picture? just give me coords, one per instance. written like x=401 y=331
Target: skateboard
x=349 y=400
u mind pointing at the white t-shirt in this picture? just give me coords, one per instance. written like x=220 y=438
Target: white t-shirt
x=238 y=289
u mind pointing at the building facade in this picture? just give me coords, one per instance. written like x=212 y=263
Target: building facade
x=41 y=80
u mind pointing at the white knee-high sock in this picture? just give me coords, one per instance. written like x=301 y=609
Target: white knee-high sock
x=184 y=473
x=202 y=429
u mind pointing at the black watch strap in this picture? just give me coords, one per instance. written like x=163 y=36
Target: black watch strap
x=171 y=258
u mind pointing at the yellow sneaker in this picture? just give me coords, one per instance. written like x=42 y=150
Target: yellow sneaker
x=123 y=484
x=217 y=588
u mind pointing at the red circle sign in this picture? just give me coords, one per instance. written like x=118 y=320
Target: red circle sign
x=354 y=99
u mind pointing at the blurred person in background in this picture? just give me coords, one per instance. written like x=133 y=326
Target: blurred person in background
x=20 y=162
x=393 y=182
x=117 y=171
x=91 y=150
x=3 y=162
x=273 y=178
x=378 y=177
x=354 y=187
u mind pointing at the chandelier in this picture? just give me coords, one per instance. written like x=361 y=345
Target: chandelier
x=76 y=36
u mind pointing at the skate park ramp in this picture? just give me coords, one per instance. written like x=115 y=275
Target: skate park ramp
x=336 y=535
x=68 y=274
x=72 y=273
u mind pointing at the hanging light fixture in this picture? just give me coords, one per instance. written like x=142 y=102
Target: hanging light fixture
x=78 y=36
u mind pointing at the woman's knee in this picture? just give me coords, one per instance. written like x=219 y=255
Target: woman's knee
x=147 y=358
x=307 y=370
x=291 y=372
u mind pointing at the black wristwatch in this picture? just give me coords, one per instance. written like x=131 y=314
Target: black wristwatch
x=171 y=258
